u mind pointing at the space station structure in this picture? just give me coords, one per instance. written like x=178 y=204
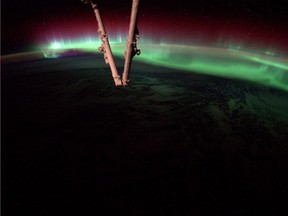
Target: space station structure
x=131 y=45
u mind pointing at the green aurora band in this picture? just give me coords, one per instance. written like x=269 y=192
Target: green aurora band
x=261 y=67
x=232 y=63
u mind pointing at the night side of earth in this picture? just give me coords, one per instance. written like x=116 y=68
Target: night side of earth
x=171 y=142
x=201 y=129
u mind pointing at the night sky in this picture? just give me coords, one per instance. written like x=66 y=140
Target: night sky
x=260 y=24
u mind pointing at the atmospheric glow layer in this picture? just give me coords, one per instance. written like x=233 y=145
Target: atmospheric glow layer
x=257 y=66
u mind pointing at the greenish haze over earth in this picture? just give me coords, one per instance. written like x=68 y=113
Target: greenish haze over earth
x=262 y=67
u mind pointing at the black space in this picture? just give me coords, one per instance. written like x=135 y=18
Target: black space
x=20 y=18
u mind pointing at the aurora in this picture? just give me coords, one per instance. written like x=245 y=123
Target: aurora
x=259 y=66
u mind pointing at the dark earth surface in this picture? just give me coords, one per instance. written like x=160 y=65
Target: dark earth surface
x=172 y=143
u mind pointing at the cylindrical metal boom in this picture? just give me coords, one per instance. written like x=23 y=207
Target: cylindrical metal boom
x=131 y=46
x=105 y=46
